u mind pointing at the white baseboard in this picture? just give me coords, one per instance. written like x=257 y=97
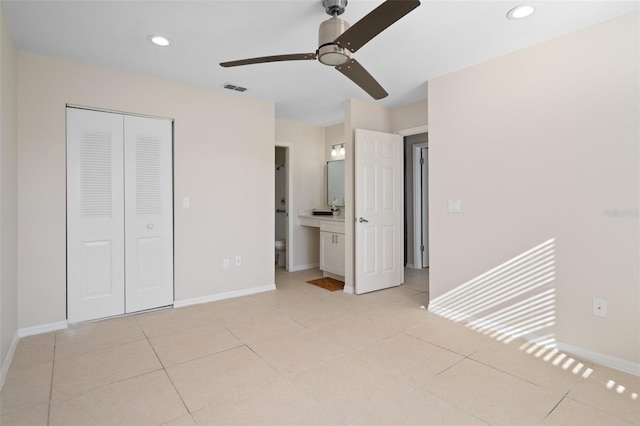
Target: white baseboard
x=410 y=265
x=24 y=332
x=602 y=359
x=303 y=267
x=223 y=296
x=334 y=276
x=583 y=353
x=348 y=290
x=6 y=362
x=44 y=328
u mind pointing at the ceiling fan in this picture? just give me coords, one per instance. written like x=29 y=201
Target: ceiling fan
x=337 y=41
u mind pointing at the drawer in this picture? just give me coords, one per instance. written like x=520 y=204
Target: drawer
x=335 y=227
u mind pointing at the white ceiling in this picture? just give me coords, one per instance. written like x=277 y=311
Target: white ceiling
x=436 y=38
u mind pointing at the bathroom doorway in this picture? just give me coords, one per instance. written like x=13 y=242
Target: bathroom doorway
x=282 y=202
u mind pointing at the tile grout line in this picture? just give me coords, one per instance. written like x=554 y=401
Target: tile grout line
x=53 y=366
x=164 y=369
x=464 y=410
x=556 y=405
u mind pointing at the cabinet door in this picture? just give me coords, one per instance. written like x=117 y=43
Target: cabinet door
x=327 y=255
x=339 y=253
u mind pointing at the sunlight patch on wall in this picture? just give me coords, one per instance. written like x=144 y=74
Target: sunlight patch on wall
x=512 y=300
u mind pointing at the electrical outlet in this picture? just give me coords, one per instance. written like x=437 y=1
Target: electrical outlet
x=238 y=261
x=225 y=263
x=599 y=307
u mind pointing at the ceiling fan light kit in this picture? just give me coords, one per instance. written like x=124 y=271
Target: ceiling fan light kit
x=328 y=52
x=337 y=41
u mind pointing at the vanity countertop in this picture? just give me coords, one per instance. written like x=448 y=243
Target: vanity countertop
x=338 y=218
x=307 y=219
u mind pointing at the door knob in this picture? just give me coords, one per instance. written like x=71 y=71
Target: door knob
x=150 y=226
x=363 y=220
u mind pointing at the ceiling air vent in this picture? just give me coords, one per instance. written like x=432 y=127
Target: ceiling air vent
x=234 y=87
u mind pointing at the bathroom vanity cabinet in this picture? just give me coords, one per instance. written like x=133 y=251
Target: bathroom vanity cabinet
x=331 y=228
x=332 y=247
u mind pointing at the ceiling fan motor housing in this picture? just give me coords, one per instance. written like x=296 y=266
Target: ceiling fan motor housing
x=329 y=53
x=334 y=7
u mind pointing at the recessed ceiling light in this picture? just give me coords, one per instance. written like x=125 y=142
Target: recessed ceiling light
x=520 y=12
x=159 y=40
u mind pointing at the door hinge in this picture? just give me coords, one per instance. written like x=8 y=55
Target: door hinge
x=421 y=161
x=421 y=248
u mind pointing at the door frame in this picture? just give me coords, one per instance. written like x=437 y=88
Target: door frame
x=349 y=194
x=410 y=131
x=417 y=205
x=288 y=160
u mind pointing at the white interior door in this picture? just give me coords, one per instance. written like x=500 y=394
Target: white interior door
x=379 y=228
x=148 y=213
x=95 y=215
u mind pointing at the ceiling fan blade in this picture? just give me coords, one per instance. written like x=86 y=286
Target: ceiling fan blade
x=356 y=73
x=378 y=20
x=277 y=58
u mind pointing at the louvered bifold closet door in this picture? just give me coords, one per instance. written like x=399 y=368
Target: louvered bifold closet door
x=95 y=215
x=148 y=213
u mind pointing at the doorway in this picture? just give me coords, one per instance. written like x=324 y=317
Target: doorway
x=416 y=201
x=282 y=201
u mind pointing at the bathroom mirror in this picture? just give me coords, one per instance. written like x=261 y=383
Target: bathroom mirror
x=335 y=182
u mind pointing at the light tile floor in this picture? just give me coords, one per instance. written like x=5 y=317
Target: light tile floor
x=302 y=355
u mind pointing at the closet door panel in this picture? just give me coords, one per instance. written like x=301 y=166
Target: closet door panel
x=95 y=215
x=148 y=213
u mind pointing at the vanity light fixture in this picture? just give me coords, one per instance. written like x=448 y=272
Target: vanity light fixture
x=334 y=149
x=520 y=12
x=159 y=40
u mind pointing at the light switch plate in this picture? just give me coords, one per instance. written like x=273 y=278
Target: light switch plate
x=185 y=202
x=454 y=206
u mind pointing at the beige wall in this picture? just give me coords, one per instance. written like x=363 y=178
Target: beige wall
x=409 y=116
x=8 y=194
x=542 y=144
x=306 y=145
x=223 y=161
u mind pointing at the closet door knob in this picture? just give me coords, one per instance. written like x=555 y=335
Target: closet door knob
x=150 y=226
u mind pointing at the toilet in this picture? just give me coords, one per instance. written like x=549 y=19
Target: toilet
x=281 y=252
